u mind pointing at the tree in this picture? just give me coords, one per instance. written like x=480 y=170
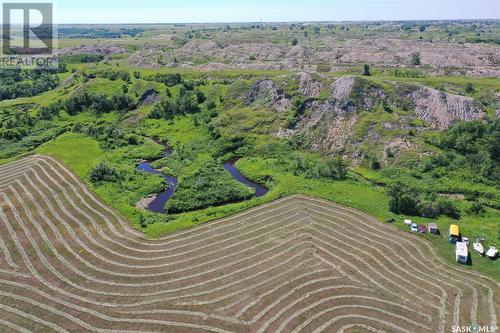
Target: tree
x=375 y=164
x=415 y=59
x=403 y=200
x=295 y=41
x=103 y=173
x=200 y=97
x=165 y=109
x=469 y=88
x=366 y=70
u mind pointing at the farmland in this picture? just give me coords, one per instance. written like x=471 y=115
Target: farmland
x=69 y=263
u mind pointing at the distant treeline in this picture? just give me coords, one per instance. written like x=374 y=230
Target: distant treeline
x=109 y=74
x=80 y=58
x=98 y=32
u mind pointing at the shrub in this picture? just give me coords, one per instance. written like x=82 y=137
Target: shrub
x=168 y=79
x=448 y=208
x=324 y=68
x=366 y=70
x=408 y=201
x=295 y=41
x=469 y=88
x=185 y=103
x=375 y=164
x=103 y=173
x=477 y=208
x=403 y=200
x=81 y=58
x=429 y=209
x=334 y=169
x=48 y=112
x=415 y=59
x=26 y=85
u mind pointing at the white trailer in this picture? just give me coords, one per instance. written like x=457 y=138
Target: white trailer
x=462 y=253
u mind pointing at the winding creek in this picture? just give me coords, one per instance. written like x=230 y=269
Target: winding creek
x=161 y=199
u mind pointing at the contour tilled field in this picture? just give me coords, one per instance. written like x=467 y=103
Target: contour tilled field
x=69 y=264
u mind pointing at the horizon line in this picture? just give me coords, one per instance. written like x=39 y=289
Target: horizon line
x=284 y=22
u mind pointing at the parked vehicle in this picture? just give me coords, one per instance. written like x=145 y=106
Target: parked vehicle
x=462 y=253
x=414 y=228
x=478 y=247
x=454 y=235
x=492 y=253
x=408 y=222
x=433 y=229
x=422 y=229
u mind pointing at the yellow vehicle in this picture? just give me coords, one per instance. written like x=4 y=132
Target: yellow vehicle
x=454 y=236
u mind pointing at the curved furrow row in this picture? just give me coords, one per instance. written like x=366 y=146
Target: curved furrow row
x=73 y=313
x=85 y=290
x=395 y=276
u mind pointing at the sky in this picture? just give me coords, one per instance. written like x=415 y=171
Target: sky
x=204 y=11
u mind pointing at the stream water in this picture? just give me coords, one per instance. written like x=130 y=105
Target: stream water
x=229 y=165
x=158 y=204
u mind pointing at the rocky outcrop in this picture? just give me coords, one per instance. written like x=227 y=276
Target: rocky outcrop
x=269 y=94
x=339 y=123
x=308 y=86
x=331 y=125
x=440 y=109
x=348 y=95
x=351 y=94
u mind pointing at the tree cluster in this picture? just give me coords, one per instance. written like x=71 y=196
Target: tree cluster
x=187 y=102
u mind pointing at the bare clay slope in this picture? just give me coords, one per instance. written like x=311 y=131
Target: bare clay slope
x=329 y=125
x=68 y=263
x=441 y=109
